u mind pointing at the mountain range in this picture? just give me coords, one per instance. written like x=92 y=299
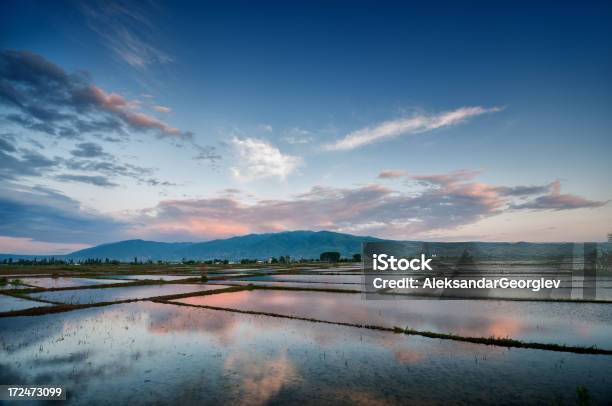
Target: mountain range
x=303 y=244
x=296 y=244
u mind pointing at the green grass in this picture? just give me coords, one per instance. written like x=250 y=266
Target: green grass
x=584 y=399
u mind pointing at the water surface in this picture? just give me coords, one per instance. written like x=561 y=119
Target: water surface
x=354 y=279
x=306 y=285
x=11 y=303
x=581 y=324
x=88 y=296
x=153 y=277
x=67 y=282
x=148 y=353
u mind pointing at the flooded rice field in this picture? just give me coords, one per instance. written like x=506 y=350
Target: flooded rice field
x=582 y=324
x=303 y=285
x=354 y=279
x=64 y=282
x=10 y=286
x=88 y=296
x=173 y=351
x=146 y=352
x=10 y=303
x=151 y=277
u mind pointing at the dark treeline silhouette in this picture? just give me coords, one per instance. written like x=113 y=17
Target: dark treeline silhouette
x=330 y=257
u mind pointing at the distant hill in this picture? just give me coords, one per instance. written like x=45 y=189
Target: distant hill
x=297 y=244
x=307 y=244
x=127 y=250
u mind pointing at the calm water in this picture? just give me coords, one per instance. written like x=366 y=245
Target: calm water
x=355 y=279
x=307 y=285
x=86 y=296
x=151 y=277
x=144 y=353
x=343 y=270
x=10 y=303
x=63 y=282
x=582 y=324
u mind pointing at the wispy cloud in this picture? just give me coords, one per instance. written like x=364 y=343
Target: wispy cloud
x=47 y=215
x=443 y=203
x=412 y=125
x=162 y=109
x=127 y=30
x=43 y=97
x=118 y=105
x=298 y=136
x=555 y=200
x=27 y=163
x=260 y=159
x=265 y=128
x=89 y=150
x=391 y=174
x=96 y=180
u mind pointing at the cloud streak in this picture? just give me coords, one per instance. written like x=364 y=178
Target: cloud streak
x=95 y=180
x=412 y=125
x=45 y=98
x=126 y=30
x=391 y=174
x=557 y=201
x=443 y=202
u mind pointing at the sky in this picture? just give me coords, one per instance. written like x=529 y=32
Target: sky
x=190 y=121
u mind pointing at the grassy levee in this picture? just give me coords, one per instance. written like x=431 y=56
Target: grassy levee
x=500 y=342
x=37 y=289
x=63 y=307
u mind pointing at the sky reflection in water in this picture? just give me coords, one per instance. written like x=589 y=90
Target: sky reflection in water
x=582 y=324
x=146 y=352
x=87 y=296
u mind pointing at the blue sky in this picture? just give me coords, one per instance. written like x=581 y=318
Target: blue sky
x=196 y=120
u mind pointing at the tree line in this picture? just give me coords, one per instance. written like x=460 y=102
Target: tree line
x=328 y=256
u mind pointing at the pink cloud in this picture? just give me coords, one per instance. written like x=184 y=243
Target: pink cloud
x=391 y=174
x=162 y=109
x=557 y=201
x=118 y=105
x=27 y=246
x=446 y=202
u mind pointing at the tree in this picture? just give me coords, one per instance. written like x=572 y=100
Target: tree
x=330 y=256
x=357 y=257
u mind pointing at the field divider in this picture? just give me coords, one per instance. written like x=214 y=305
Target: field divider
x=38 y=289
x=66 y=307
x=493 y=341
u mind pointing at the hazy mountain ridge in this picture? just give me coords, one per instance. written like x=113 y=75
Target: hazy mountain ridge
x=304 y=244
